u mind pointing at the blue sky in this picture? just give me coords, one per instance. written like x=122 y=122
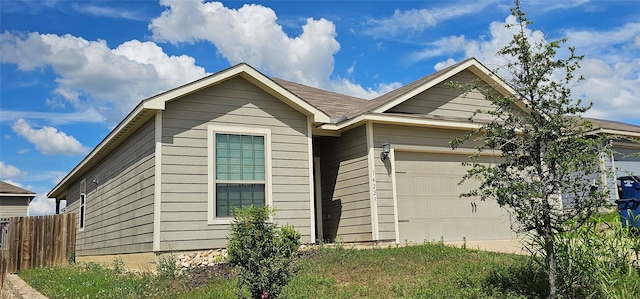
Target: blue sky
x=71 y=70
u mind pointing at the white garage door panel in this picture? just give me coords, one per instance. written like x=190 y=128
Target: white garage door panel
x=429 y=207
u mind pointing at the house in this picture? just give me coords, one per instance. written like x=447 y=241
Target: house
x=336 y=167
x=625 y=160
x=14 y=201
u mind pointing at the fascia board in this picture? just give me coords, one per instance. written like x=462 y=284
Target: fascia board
x=615 y=132
x=17 y=195
x=394 y=119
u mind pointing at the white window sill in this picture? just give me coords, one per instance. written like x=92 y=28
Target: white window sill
x=219 y=221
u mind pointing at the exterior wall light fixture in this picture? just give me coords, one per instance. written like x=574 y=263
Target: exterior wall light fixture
x=386 y=148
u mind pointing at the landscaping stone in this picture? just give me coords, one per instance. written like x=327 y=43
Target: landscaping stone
x=200 y=259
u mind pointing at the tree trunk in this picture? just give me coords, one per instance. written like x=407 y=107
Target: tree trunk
x=550 y=257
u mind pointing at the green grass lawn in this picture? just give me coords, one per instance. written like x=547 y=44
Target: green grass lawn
x=425 y=271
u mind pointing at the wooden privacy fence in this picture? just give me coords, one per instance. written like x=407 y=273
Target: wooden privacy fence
x=4 y=229
x=38 y=241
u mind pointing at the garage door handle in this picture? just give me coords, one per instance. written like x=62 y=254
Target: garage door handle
x=403 y=220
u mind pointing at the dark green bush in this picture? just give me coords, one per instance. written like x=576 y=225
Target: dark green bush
x=263 y=253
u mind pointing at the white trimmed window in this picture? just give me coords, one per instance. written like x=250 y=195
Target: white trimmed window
x=239 y=170
x=83 y=199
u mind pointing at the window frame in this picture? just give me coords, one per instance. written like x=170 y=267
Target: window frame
x=82 y=208
x=212 y=130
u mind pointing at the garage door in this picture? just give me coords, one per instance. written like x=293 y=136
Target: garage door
x=429 y=206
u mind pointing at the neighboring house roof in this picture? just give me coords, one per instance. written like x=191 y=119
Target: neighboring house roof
x=614 y=127
x=7 y=189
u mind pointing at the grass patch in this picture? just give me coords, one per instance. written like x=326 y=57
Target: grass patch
x=424 y=271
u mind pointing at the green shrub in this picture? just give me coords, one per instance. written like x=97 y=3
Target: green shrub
x=263 y=254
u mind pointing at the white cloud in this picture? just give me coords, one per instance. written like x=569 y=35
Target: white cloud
x=345 y=86
x=8 y=172
x=546 y=5
x=483 y=49
x=251 y=34
x=93 y=77
x=401 y=22
x=48 y=140
x=110 y=12
x=89 y=116
x=611 y=65
x=418 y=20
x=42 y=205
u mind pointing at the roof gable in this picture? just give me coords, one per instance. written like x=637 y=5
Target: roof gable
x=250 y=74
x=394 y=98
x=442 y=101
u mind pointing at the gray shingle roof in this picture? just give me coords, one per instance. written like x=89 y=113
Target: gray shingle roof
x=7 y=188
x=338 y=105
x=334 y=104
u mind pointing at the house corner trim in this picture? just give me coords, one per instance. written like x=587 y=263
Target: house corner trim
x=373 y=196
x=157 y=184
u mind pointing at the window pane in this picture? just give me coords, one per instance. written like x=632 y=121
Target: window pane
x=240 y=157
x=230 y=196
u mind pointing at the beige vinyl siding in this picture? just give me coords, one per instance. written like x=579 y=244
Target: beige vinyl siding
x=235 y=103
x=346 y=205
x=14 y=206
x=441 y=100
x=417 y=149
x=401 y=136
x=119 y=208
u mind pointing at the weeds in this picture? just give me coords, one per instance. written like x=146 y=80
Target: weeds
x=599 y=260
x=166 y=266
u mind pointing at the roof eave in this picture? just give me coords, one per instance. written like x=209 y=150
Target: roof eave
x=400 y=120
x=19 y=194
x=615 y=132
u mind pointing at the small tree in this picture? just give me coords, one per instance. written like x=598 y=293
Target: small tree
x=547 y=155
x=263 y=253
